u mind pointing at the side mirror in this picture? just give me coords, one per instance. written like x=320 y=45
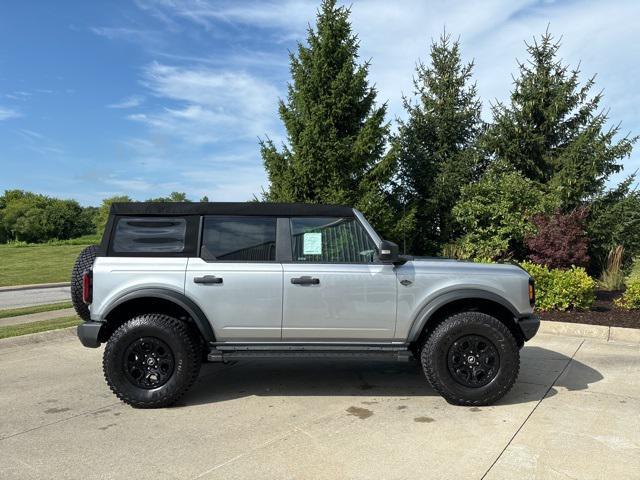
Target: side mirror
x=389 y=252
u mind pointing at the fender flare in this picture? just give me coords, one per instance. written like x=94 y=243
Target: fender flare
x=427 y=311
x=194 y=311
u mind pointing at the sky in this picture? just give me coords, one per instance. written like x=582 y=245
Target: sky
x=147 y=97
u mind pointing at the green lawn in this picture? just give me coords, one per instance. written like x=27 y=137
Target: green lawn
x=26 y=265
x=35 y=327
x=50 y=307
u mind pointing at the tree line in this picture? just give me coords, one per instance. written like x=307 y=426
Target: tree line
x=529 y=183
x=34 y=218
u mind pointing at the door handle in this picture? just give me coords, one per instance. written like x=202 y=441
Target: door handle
x=207 y=279
x=305 y=281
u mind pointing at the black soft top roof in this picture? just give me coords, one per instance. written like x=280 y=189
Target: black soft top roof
x=230 y=208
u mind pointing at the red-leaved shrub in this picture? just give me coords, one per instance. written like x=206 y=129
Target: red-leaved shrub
x=561 y=240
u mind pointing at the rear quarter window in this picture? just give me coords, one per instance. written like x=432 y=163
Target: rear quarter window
x=150 y=235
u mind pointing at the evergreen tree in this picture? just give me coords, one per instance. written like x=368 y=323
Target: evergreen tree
x=553 y=131
x=336 y=134
x=436 y=144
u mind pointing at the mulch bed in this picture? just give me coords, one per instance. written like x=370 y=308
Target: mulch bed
x=603 y=312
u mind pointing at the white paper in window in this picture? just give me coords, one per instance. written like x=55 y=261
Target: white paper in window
x=312 y=244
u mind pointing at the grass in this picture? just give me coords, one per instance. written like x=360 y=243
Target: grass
x=84 y=240
x=612 y=277
x=50 y=307
x=23 y=264
x=35 y=327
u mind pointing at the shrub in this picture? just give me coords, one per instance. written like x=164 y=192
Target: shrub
x=561 y=289
x=494 y=214
x=630 y=299
x=560 y=240
x=612 y=277
x=614 y=219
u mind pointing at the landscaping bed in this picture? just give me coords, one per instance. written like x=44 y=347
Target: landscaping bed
x=603 y=312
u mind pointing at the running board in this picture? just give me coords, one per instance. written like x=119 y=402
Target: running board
x=218 y=355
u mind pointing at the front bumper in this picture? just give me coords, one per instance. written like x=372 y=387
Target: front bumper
x=89 y=332
x=529 y=326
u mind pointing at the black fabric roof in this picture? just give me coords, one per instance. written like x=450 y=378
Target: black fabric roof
x=231 y=208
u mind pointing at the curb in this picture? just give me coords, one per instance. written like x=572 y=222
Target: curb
x=15 y=288
x=35 y=338
x=583 y=330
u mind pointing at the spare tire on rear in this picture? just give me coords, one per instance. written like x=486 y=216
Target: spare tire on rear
x=83 y=263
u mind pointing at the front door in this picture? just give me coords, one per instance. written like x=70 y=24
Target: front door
x=335 y=289
x=236 y=280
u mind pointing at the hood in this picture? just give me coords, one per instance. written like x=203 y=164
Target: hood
x=447 y=265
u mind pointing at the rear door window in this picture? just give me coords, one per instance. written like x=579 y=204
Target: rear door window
x=239 y=238
x=150 y=235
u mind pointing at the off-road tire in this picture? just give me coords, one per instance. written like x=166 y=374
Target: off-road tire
x=183 y=344
x=83 y=263
x=434 y=357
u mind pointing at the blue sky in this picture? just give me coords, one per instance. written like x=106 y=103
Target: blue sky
x=150 y=96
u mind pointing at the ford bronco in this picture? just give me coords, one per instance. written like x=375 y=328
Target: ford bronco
x=174 y=284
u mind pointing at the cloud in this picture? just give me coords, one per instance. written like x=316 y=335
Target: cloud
x=128 y=102
x=227 y=181
x=30 y=134
x=275 y=14
x=7 y=113
x=149 y=38
x=130 y=185
x=208 y=104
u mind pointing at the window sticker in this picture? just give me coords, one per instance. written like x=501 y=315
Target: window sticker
x=312 y=244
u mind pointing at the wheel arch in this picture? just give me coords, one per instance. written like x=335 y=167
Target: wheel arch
x=155 y=300
x=467 y=300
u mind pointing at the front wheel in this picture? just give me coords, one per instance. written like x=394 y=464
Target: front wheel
x=471 y=359
x=151 y=361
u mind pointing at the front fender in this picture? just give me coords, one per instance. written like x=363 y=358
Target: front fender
x=427 y=311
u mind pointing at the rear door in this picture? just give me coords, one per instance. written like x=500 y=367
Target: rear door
x=334 y=288
x=236 y=280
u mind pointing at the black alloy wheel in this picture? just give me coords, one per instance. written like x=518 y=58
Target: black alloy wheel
x=148 y=362
x=473 y=360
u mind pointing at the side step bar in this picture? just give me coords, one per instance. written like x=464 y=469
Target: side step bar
x=217 y=355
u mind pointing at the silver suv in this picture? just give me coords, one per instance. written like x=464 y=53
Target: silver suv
x=176 y=284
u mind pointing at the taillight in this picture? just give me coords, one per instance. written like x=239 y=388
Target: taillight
x=87 y=287
x=532 y=292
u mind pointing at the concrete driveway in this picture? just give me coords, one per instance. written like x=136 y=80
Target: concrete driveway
x=34 y=296
x=574 y=413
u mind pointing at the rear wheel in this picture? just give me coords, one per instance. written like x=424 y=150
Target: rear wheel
x=151 y=360
x=471 y=359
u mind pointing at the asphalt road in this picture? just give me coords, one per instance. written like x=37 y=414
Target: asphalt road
x=574 y=413
x=33 y=296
